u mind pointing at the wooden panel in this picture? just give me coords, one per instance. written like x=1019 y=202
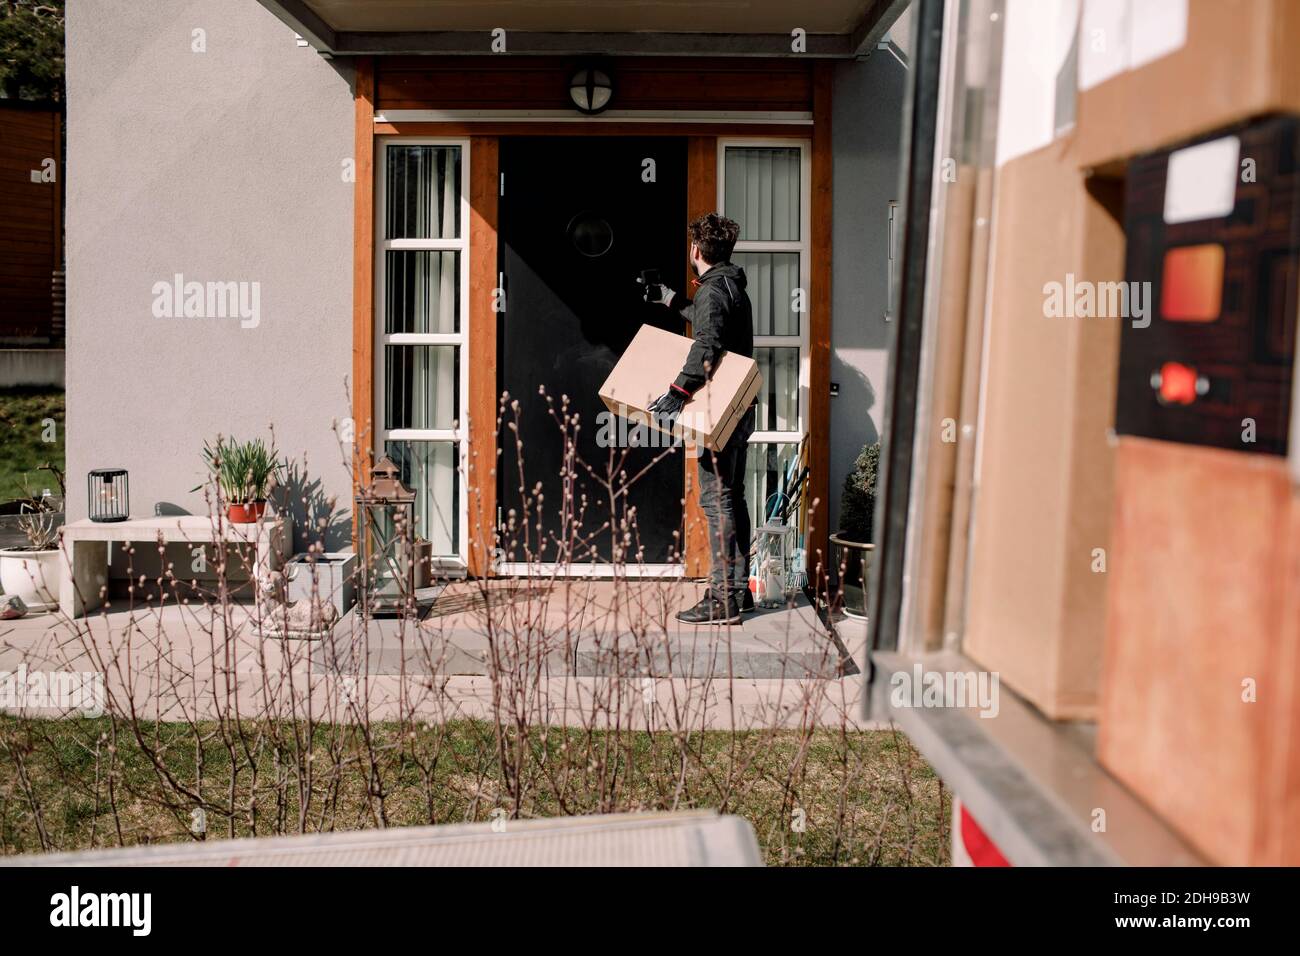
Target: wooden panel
x=31 y=241
x=701 y=198
x=363 y=269
x=819 y=333
x=1203 y=583
x=461 y=83
x=484 y=157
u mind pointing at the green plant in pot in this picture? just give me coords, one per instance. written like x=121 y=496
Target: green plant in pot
x=853 y=542
x=244 y=474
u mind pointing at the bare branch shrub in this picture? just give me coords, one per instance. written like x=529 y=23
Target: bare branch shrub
x=517 y=696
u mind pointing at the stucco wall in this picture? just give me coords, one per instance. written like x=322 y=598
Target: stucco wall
x=222 y=166
x=866 y=123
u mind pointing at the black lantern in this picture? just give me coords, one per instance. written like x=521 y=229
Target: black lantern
x=108 y=494
x=386 y=542
x=591 y=90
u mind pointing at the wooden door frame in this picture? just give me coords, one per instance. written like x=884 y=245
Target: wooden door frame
x=482 y=410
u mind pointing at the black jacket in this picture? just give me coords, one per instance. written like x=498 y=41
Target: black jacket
x=721 y=320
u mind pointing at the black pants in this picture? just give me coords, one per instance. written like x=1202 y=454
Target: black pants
x=722 y=497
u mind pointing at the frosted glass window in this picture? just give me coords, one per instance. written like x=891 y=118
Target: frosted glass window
x=421 y=291
x=423 y=192
x=771 y=278
x=430 y=468
x=423 y=388
x=762 y=191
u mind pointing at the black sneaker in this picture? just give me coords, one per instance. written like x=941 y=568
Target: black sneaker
x=711 y=610
x=746 y=601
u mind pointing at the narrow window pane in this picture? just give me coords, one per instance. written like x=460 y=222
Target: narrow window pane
x=423 y=192
x=762 y=191
x=423 y=386
x=771 y=280
x=430 y=468
x=421 y=291
x=778 y=399
x=769 y=478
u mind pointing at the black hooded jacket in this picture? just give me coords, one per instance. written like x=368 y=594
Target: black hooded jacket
x=721 y=320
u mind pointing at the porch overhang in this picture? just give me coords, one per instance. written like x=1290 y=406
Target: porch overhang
x=835 y=29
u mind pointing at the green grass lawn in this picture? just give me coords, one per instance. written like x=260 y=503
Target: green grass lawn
x=827 y=797
x=24 y=417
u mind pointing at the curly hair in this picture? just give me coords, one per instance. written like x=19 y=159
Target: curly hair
x=715 y=235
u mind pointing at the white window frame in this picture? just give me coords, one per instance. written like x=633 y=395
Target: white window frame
x=459 y=433
x=803 y=246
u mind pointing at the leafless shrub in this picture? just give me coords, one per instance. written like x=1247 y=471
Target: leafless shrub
x=217 y=722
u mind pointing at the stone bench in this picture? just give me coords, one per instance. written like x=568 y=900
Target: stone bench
x=84 y=570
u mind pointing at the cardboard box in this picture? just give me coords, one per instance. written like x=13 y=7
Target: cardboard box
x=651 y=363
x=1237 y=61
x=1200 y=708
x=1036 y=605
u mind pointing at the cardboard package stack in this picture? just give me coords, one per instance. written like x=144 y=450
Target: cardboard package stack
x=1200 y=689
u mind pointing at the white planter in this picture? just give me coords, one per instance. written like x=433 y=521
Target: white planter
x=334 y=579
x=32 y=575
x=853 y=559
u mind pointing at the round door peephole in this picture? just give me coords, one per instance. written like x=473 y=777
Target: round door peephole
x=590 y=234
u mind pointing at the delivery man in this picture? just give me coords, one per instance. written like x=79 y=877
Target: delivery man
x=722 y=321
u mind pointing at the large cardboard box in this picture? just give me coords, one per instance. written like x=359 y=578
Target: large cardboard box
x=1237 y=60
x=1200 y=708
x=1040 y=523
x=651 y=363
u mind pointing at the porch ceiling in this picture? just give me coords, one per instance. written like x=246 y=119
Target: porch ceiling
x=835 y=28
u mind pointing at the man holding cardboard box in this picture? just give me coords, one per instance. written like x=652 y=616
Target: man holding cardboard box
x=721 y=320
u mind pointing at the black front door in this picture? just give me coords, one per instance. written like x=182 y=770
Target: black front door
x=580 y=218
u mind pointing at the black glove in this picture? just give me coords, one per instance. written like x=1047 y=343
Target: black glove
x=668 y=406
x=656 y=293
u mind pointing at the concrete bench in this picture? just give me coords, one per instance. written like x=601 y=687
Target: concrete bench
x=84 y=570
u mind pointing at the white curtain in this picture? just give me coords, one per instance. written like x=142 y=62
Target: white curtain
x=772 y=278
x=423 y=297
x=423 y=192
x=762 y=191
x=430 y=468
x=778 y=399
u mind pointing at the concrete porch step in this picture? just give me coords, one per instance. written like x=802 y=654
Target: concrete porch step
x=770 y=644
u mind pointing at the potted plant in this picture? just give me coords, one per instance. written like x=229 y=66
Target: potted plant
x=31 y=572
x=853 y=543
x=244 y=473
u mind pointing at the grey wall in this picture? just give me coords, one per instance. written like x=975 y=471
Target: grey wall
x=224 y=165
x=866 y=124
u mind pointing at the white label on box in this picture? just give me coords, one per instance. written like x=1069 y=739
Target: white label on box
x=1119 y=35
x=1202 y=181
x=1103 y=41
x=1156 y=28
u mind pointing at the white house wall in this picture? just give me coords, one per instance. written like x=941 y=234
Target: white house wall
x=226 y=165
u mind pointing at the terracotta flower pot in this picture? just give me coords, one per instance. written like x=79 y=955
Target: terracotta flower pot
x=245 y=512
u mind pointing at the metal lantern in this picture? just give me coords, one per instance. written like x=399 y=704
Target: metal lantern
x=775 y=548
x=385 y=511
x=108 y=494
